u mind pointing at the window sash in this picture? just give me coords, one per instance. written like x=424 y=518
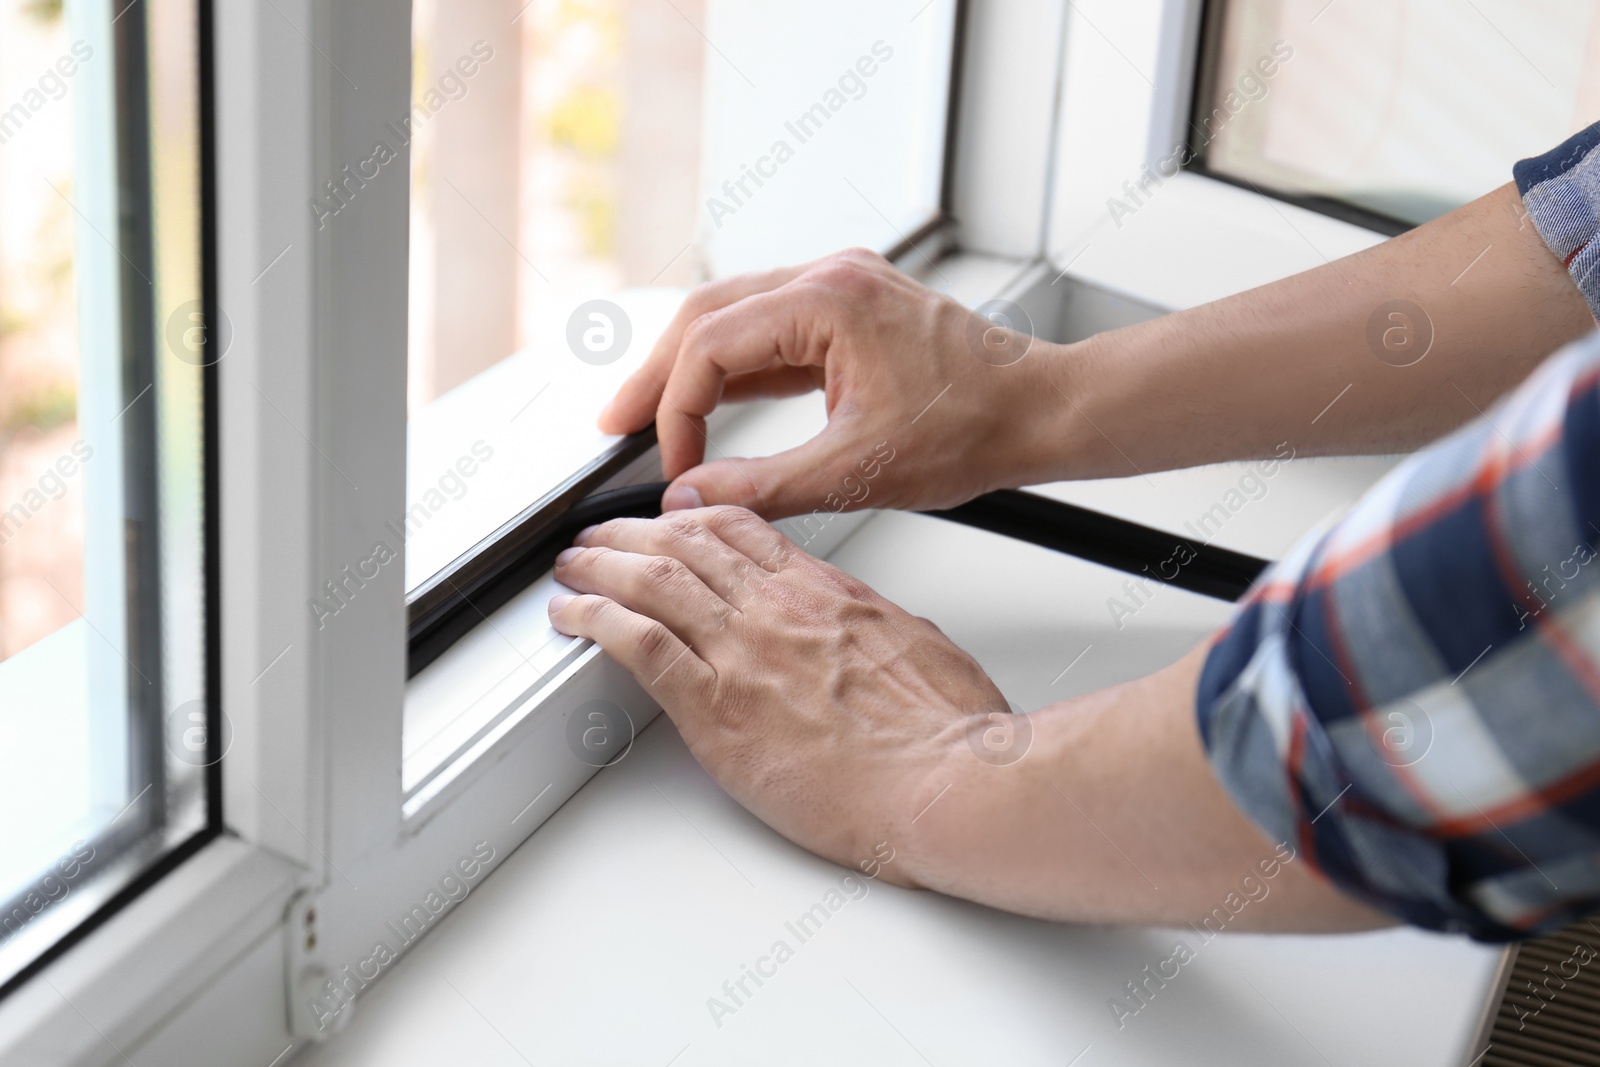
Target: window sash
x=1192 y=238
x=127 y=261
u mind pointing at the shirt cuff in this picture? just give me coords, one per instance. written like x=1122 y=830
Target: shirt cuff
x=1561 y=193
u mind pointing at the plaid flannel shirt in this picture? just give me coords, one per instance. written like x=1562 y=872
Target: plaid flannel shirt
x=1413 y=695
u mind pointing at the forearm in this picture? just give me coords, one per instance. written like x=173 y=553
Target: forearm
x=1293 y=361
x=1112 y=815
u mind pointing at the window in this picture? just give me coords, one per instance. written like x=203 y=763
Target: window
x=1402 y=111
x=109 y=735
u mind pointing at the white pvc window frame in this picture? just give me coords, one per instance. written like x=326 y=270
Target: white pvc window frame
x=220 y=961
x=1189 y=239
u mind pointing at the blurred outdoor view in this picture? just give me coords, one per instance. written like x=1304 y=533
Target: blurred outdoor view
x=41 y=512
x=576 y=159
x=1408 y=110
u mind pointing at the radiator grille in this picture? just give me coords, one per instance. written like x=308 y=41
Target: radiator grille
x=1550 y=1013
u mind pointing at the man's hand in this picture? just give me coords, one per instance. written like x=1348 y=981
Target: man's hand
x=846 y=724
x=1233 y=379
x=820 y=706
x=959 y=402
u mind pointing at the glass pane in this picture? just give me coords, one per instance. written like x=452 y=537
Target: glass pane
x=577 y=164
x=1406 y=110
x=41 y=538
x=104 y=728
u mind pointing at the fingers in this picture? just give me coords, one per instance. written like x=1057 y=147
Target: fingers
x=635 y=403
x=657 y=587
x=751 y=536
x=775 y=382
x=749 y=336
x=800 y=480
x=683 y=535
x=682 y=438
x=647 y=649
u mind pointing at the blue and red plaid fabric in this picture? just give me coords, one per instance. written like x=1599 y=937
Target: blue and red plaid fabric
x=1413 y=695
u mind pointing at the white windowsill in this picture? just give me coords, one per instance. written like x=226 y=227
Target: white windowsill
x=651 y=887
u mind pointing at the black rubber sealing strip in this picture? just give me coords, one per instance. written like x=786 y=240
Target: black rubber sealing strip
x=428 y=640
x=1087 y=534
x=1111 y=542
x=483 y=566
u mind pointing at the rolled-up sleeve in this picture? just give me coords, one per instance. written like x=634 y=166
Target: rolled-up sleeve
x=1413 y=695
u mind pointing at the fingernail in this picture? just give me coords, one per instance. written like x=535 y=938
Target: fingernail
x=680 y=497
x=583 y=535
x=559 y=602
x=567 y=556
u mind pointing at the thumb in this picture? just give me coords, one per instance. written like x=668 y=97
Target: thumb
x=802 y=479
